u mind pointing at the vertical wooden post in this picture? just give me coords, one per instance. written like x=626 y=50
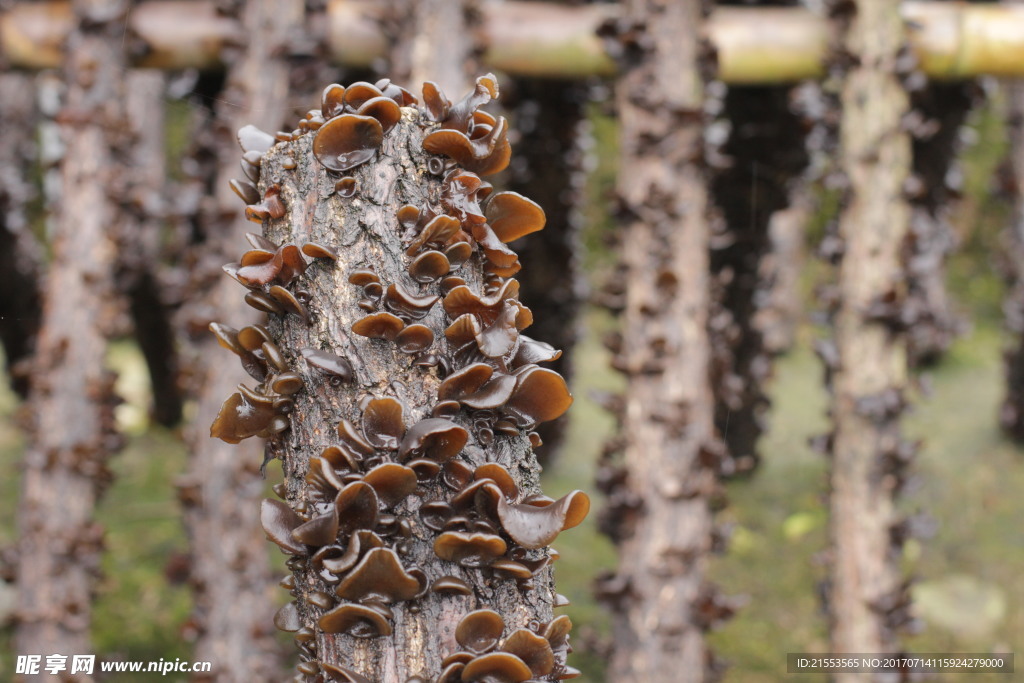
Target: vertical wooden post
x=868 y=596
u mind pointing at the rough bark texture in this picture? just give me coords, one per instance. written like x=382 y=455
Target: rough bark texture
x=20 y=254
x=660 y=501
x=941 y=110
x=230 y=571
x=70 y=407
x=434 y=40
x=764 y=152
x=549 y=169
x=868 y=596
x=140 y=241
x=1011 y=415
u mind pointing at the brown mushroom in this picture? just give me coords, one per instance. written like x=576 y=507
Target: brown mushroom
x=512 y=216
x=469 y=549
x=359 y=544
x=359 y=621
x=363 y=276
x=531 y=351
x=458 y=253
x=346 y=141
x=278 y=522
x=384 y=109
x=288 y=302
x=500 y=476
x=319 y=531
x=535 y=527
x=540 y=395
x=534 y=650
x=252 y=139
x=496 y=667
x=287 y=618
x=379 y=577
x=379 y=326
x=270 y=207
x=332 y=101
x=429 y=266
x=462 y=300
x=392 y=482
x=384 y=422
x=353 y=440
x=240 y=417
x=358 y=508
x=360 y=92
x=262 y=301
x=433 y=438
x=316 y=250
x=346 y=187
x=439 y=230
x=329 y=364
x=342 y=674
x=484 y=155
x=415 y=339
x=479 y=631
x=408 y=305
x=500 y=337
x=246 y=190
x=451 y=584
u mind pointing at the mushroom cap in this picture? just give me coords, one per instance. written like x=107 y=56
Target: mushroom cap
x=278 y=521
x=332 y=101
x=500 y=476
x=535 y=527
x=511 y=216
x=469 y=549
x=540 y=395
x=346 y=187
x=353 y=440
x=429 y=266
x=360 y=543
x=360 y=621
x=288 y=302
x=329 y=363
x=531 y=352
x=252 y=139
x=433 y=438
x=317 y=250
x=381 y=325
x=343 y=674
x=239 y=418
x=346 y=141
x=287 y=618
x=415 y=338
x=379 y=576
x=451 y=584
x=407 y=304
x=320 y=531
x=392 y=482
x=533 y=649
x=496 y=667
x=479 y=631
x=384 y=422
x=358 y=508
x=384 y=109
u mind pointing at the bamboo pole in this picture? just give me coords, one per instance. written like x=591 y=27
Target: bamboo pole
x=951 y=40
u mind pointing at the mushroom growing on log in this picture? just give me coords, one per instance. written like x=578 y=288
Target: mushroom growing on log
x=402 y=403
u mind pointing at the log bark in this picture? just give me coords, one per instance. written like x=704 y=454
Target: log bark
x=868 y=598
x=20 y=254
x=70 y=407
x=670 y=449
x=347 y=431
x=230 y=572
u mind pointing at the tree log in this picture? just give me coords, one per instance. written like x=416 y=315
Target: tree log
x=70 y=407
x=661 y=496
x=868 y=598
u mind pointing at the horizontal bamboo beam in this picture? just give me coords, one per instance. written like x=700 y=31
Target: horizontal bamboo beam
x=755 y=45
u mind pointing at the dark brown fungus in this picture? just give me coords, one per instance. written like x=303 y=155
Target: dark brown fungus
x=438 y=231
x=346 y=187
x=252 y=337
x=464 y=657
x=346 y=141
x=384 y=109
x=288 y=302
x=479 y=631
x=252 y=139
x=392 y=482
x=273 y=356
x=492 y=394
x=540 y=395
x=252 y=174
x=246 y=190
x=319 y=531
x=379 y=326
x=262 y=301
x=451 y=673
x=400 y=95
x=456 y=474
x=425 y=469
x=355 y=441
x=287 y=618
x=415 y=339
x=446 y=409
x=278 y=522
x=458 y=253
x=451 y=584
x=512 y=569
x=531 y=351
x=332 y=101
x=500 y=476
x=533 y=649
x=287 y=383
x=408 y=305
x=464 y=382
x=363 y=276
x=240 y=417
x=535 y=527
x=305 y=635
x=499 y=338
x=463 y=330
x=359 y=621
x=450 y=283
x=270 y=207
x=379 y=577
x=433 y=438
x=358 y=508
x=462 y=300
x=384 y=422
x=429 y=266
x=321 y=600
x=360 y=544
x=314 y=250
x=359 y=93
x=329 y=363
x=496 y=667
x=227 y=337
x=339 y=459
x=435 y=514
x=252 y=158
x=437 y=105
x=469 y=550
x=485 y=155
x=482 y=496
x=512 y=216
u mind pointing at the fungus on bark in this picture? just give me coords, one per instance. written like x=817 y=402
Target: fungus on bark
x=407 y=445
